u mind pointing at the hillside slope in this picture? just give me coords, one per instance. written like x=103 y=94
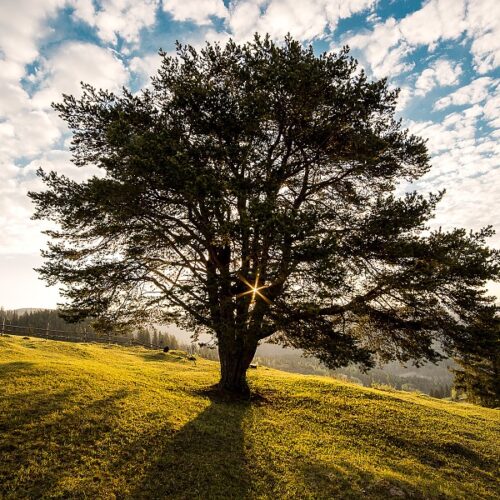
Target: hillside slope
x=93 y=421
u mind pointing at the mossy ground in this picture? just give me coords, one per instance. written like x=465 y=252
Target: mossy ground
x=93 y=421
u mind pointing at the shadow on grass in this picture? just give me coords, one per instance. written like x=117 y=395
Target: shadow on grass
x=409 y=462
x=46 y=437
x=9 y=369
x=204 y=459
x=340 y=481
x=26 y=408
x=20 y=409
x=429 y=446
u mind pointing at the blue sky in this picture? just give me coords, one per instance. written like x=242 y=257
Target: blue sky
x=444 y=54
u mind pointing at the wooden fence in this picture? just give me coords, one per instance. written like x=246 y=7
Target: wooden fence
x=68 y=336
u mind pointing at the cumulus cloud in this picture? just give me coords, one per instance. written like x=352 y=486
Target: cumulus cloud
x=28 y=133
x=57 y=160
x=405 y=96
x=20 y=234
x=436 y=20
x=13 y=98
x=113 y=18
x=29 y=129
x=144 y=67
x=305 y=20
x=22 y=24
x=385 y=47
x=466 y=165
x=474 y=92
x=74 y=62
x=440 y=73
x=491 y=110
x=483 y=27
x=197 y=11
x=382 y=49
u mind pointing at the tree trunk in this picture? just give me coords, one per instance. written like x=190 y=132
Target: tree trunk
x=235 y=359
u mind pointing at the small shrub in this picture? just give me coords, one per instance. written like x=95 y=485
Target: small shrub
x=382 y=387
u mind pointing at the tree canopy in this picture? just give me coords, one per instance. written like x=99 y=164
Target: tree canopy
x=250 y=192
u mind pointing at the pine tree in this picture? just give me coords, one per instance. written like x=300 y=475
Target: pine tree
x=479 y=374
x=143 y=336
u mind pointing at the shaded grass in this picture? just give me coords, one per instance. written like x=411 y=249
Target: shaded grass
x=93 y=421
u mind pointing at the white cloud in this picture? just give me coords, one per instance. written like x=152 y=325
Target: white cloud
x=475 y=92
x=382 y=49
x=245 y=16
x=113 y=18
x=13 y=98
x=471 y=201
x=74 y=62
x=385 y=47
x=145 y=67
x=437 y=19
x=24 y=130
x=491 y=109
x=22 y=24
x=20 y=235
x=199 y=38
x=447 y=73
x=28 y=133
x=405 y=95
x=304 y=20
x=58 y=160
x=456 y=130
x=27 y=125
x=467 y=166
x=483 y=26
x=30 y=129
x=440 y=73
x=197 y=11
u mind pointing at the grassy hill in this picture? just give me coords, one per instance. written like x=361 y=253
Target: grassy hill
x=93 y=421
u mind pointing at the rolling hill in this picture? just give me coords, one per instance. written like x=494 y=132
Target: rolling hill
x=94 y=421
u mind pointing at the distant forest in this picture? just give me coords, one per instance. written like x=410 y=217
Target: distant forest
x=36 y=321
x=435 y=380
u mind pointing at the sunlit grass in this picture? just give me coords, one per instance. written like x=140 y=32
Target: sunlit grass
x=93 y=421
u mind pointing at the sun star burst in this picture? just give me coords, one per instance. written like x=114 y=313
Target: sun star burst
x=253 y=289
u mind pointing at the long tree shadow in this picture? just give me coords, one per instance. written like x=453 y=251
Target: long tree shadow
x=19 y=410
x=8 y=369
x=406 y=460
x=204 y=459
x=47 y=444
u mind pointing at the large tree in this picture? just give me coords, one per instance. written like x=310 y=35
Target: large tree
x=250 y=193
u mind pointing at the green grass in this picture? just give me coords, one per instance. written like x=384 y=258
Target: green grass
x=93 y=421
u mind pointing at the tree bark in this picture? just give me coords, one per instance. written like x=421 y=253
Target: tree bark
x=235 y=358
